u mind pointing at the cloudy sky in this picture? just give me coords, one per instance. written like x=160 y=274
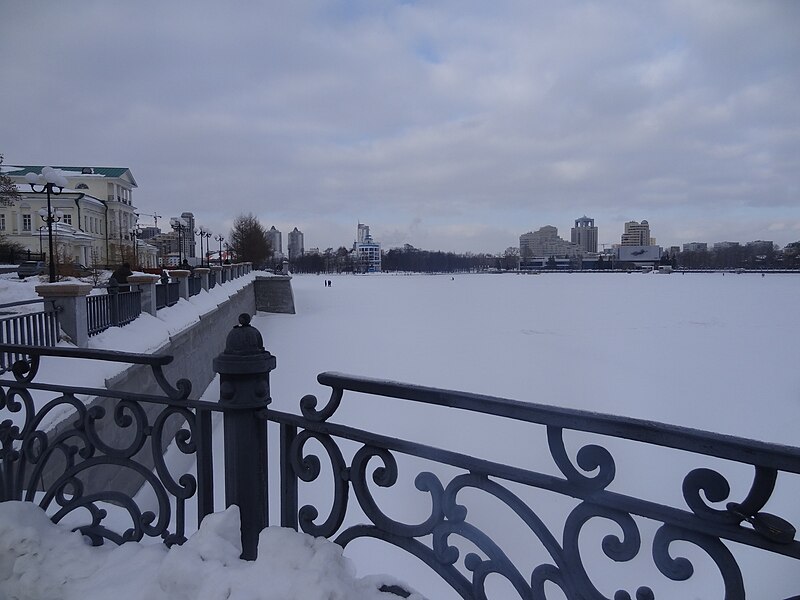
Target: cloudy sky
x=451 y=124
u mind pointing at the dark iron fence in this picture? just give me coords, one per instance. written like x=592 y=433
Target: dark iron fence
x=167 y=294
x=709 y=516
x=12 y=256
x=38 y=328
x=114 y=309
x=195 y=286
x=711 y=510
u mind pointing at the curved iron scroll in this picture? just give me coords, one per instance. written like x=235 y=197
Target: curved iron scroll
x=64 y=468
x=711 y=516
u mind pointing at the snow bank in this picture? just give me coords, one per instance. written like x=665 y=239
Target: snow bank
x=41 y=560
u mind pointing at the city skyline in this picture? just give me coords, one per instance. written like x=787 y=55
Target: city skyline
x=446 y=125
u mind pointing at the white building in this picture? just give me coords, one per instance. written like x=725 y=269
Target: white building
x=98 y=217
x=545 y=242
x=366 y=251
x=637 y=234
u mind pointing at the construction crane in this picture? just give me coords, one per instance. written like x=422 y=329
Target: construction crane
x=155 y=216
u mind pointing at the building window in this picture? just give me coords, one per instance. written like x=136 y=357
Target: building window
x=26 y=222
x=2 y=222
x=68 y=219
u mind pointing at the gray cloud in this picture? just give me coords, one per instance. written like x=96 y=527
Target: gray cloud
x=457 y=124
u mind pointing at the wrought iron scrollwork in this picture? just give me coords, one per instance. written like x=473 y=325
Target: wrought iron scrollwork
x=707 y=521
x=59 y=454
x=308 y=468
x=308 y=406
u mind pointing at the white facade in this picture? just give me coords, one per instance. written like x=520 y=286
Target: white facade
x=98 y=215
x=367 y=252
x=637 y=234
x=545 y=243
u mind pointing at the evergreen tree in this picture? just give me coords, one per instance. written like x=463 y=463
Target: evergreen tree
x=8 y=191
x=249 y=241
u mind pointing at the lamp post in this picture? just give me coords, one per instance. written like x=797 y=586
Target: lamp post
x=205 y=233
x=41 y=250
x=220 y=238
x=199 y=232
x=50 y=183
x=136 y=233
x=180 y=226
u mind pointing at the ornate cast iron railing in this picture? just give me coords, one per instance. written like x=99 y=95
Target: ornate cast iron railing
x=585 y=484
x=69 y=456
x=61 y=453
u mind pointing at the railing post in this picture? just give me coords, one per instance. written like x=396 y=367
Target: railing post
x=182 y=277
x=147 y=285
x=70 y=300
x=203 y=272
x=244 y=369
x=217 y=270
x=113 y=301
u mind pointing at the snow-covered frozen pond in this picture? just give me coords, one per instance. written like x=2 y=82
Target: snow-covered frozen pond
x=707 y=351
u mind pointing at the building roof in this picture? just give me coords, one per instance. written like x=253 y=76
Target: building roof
x=110 y=172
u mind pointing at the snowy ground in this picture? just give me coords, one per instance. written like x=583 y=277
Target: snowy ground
x=707 y=351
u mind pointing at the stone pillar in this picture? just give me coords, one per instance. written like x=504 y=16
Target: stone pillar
x=69 y=299
x=244 y=369
x=147 y=285
x=182 y=277
x=202 y=272
x=248 y=267
x=217 y=270
x=227 y=270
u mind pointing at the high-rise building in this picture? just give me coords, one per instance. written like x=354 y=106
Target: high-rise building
x=367 y=251
x=275 y=238
x=637 y=234
x=148 y=232
x=188 y=239
x=584 y=234
x=295 y=244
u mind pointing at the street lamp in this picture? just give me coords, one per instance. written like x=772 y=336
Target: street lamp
x=220 y=239
x=41 y=250
x=205 y=233
x=51 y=183
x=135 y=235
x=180 y=226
